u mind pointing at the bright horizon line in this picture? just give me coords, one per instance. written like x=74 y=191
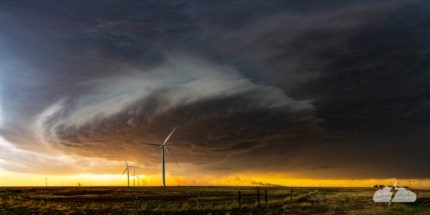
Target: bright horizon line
x=11 y=179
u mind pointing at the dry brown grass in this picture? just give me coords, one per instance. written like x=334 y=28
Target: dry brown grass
x=11 y=201
x=70 y=213
x=210 y=199
x=93 y=205
x=63 y=207
x=116 y=206
x=42 y=203
x=143 y=206
x=185 y=207
x=29 y=203
x=287 y=200
x=225 y=205
x=159 y=208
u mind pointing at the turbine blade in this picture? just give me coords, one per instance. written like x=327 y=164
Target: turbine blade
x=124 y=171
x=172 y=156
x=125 y=162
x=155 y=144
x=169 y=136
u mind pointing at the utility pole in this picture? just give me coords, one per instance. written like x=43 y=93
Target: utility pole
x=46 y=181
x=62 y=184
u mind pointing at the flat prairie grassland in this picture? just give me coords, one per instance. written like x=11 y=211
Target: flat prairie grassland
x=202 y=200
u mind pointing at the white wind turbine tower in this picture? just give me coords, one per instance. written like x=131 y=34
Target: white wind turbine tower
x=163 y=147
x=134 y=177
x=127 y=169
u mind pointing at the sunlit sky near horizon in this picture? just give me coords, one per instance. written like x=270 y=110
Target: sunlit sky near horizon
x=261 y=92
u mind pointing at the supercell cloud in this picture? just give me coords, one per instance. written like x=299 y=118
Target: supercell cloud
x=218 y=112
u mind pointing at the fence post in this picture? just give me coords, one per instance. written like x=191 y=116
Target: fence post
x=240 y=203
x=265 y=193
x=136 y=203
x=258 y=198
x=291 y=199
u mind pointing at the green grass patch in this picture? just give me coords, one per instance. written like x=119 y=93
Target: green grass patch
x=327 y=193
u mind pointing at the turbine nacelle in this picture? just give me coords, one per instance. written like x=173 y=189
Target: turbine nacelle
x=163 y=146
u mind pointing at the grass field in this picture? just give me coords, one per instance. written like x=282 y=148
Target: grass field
x=201 y=200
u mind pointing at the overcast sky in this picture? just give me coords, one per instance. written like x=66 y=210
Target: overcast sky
x=310 y=89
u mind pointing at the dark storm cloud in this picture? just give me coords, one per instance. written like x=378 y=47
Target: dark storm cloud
x=263 y=81
x=381 y=83
x=322 y=167
x=217 y=111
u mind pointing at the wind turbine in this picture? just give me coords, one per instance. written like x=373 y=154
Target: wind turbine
x=134 y=177
x=138 y=177
x=163 y=147
x=126 y=169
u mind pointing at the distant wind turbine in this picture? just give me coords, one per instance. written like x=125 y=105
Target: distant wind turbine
x=134 y=177
x=127 y=169
x=138 y=178
x=163 y=146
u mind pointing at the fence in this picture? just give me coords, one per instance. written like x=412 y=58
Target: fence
x=241 y=195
